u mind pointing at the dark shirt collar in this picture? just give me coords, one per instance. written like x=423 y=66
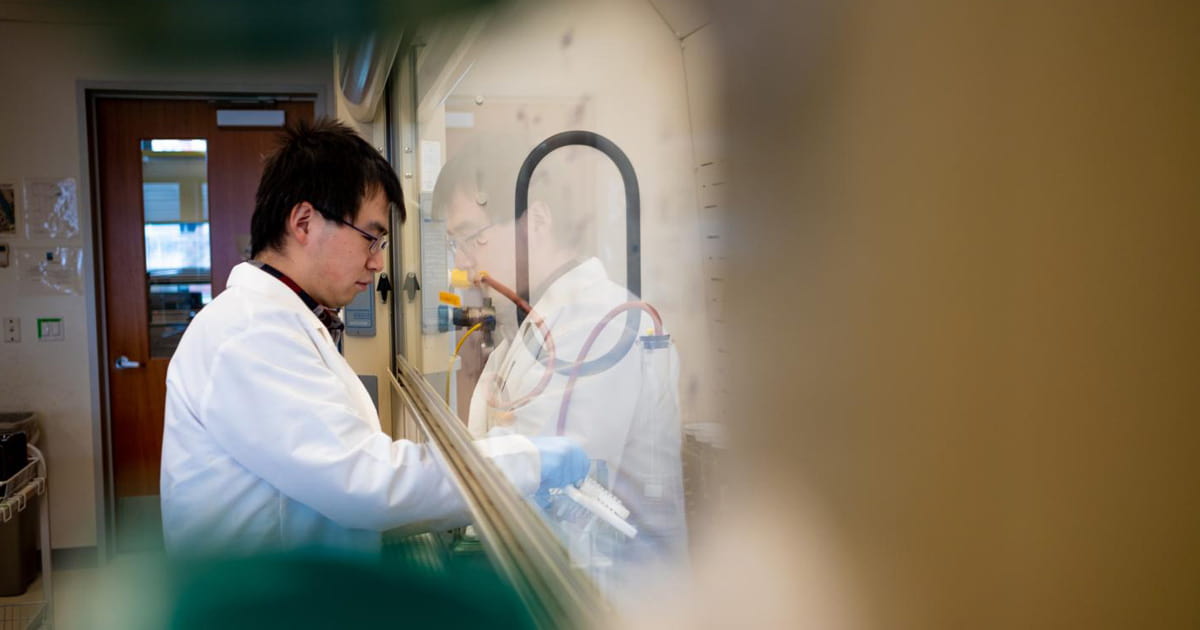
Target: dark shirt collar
x=328 y=316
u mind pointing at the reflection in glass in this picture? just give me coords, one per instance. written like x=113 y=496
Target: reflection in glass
x=587 y=359
x=176 y=230
x=603 y=290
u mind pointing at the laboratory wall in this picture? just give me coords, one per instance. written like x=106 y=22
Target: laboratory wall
x=970 y=397
x=45 y=57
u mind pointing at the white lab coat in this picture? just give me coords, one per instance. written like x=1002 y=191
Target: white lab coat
x=641 y=447
x=270 y=440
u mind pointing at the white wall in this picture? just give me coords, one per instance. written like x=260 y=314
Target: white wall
x=40 y=137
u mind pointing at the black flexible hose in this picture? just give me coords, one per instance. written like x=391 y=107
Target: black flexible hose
x=633 y=235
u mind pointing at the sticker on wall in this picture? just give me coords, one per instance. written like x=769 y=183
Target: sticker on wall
x=435 y=260
x=51 y=209
x=50 y=270
x=430 y=164
x=8 y=209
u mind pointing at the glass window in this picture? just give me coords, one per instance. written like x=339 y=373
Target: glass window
x=550 y=172
x=177 y=239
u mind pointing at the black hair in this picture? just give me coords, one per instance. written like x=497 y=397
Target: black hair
x=326 y=164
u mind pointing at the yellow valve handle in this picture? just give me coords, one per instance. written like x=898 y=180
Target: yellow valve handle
x=460 y=278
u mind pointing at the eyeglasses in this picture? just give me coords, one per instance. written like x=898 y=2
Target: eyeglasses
x=471 y=241
x=378 y=243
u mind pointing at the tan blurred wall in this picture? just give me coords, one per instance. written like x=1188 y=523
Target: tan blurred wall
x=970 y=398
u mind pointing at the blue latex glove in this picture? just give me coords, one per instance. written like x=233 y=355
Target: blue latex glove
x=563 y=462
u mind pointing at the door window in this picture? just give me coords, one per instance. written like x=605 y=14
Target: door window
x=176 y=230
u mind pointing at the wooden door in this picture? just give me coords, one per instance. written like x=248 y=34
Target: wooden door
x=148 y=303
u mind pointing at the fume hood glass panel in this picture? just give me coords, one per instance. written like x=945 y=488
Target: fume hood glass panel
x=177 y=237
x=505 y=528
x=607 y=255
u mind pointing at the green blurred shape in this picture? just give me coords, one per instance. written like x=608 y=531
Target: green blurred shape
x=322 y=590
x=211 y=32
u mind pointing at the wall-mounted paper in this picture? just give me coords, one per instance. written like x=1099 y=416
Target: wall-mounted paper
x=50 y=270
x=51 y=209
x=435 y=268
x=430 y=164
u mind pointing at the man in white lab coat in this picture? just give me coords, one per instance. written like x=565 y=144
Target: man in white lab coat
x=270 y=440
x=622 y=408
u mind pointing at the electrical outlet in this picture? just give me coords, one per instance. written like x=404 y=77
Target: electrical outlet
x=12 y=329
x=50 y=329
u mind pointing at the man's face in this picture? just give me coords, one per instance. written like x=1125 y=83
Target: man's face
x=479 y=244
x=345 y=264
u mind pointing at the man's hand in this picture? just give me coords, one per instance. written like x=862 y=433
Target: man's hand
x=563 y=462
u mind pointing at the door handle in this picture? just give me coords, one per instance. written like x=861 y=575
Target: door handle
x=123 y=363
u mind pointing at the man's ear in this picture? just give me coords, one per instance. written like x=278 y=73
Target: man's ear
x=300 y=222
x=539 y=218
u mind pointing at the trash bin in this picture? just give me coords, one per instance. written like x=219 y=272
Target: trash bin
x=19 y=562
x=21 y=422
x=18 y=511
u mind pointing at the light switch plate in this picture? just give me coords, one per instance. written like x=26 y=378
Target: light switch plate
x=50 y=329
x=12 y=329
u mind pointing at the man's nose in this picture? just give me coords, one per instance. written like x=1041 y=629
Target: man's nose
x=375 y=261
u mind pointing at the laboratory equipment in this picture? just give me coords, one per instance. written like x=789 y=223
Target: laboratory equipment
x=516 y=539
x=581 y=366
x=597 y=500
x=633 y=222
